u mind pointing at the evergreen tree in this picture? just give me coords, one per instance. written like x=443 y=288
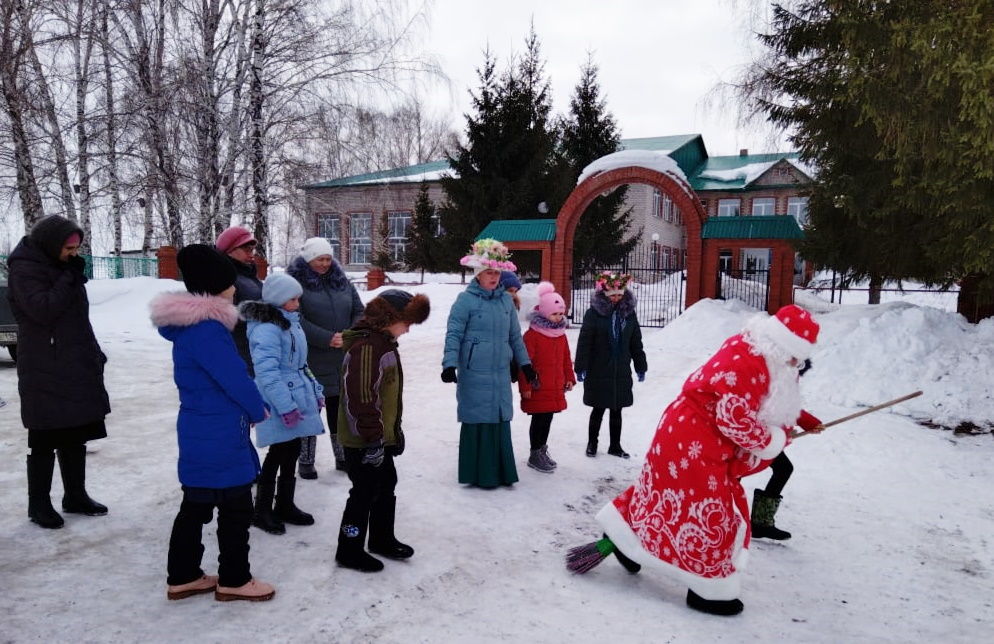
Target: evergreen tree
x=422 y=244
x=589 y=132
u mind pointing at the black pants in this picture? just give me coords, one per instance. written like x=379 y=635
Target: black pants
x=369 y=484
x=614 y=425
x=186 y=548
x=538 y=433
x=782 y=469
x=281 y=458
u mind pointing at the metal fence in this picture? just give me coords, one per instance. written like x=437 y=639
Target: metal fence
x=751 y=286
x=104 y=268
x=658 y=290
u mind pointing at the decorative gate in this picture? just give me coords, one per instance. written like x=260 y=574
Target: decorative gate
x=749 y=285
x=658 y=289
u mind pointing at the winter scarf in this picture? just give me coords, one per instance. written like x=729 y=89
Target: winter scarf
x=541 y=324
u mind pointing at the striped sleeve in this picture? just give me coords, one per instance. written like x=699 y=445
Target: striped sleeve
x=360 y=388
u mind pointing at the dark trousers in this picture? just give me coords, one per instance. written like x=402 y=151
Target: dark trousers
x=309 y=444
x=186 y=548
x=281 y=458
x=538 y=433
x=782 y=469
x=614 y=425
x=370 y=485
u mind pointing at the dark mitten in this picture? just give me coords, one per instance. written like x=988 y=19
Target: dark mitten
x=641 y=375
x=373 y=455
x=581 y=376
x=77 y=265
x=449 y=375
x=397 y=448
x=292 y=418
x=514 y=370
x=530 y=375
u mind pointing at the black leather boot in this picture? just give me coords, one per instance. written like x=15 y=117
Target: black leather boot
x=381 y=538
x=615 y=429
x=264 y=519
x=285 y=508
x=72 y=464
x=352 y=540
x=40 y=510
x=593 y=430
x=714 y=606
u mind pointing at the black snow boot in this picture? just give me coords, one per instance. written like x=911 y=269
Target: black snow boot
x=352 y=539
x=615 y=448
x=40 y=510
x=714 y=606
x=72 y=464
x=285 y=509
x=381 y=538
x=264 y=519
x=764 y=509
x=593 y=430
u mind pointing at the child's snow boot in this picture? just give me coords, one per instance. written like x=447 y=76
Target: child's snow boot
x=548 y=459
x=764 y=509
x=264 y=519
x=536 y=461
x=381 y=536
x=352 y=541
x=714 y=606
x=285 y=508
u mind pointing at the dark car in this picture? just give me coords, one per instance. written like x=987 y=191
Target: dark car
x=8 y=325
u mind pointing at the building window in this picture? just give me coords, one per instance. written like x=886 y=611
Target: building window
x=330 y=227
x=797 y=207
x=668 y=208
x=360 y=237
x=398 y=224
x=657 y=204
x=436 y=224
x=728 y=207
x=667 y=258
x=764 y=206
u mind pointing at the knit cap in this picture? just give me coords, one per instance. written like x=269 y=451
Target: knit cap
x=280 y=288
x=316 y=247
x=549 y=301
x=205 y=270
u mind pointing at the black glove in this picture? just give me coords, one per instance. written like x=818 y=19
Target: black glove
x=77 y=266
x=449 y=375
x=514 y=370
x=530 y=375
x=373 y=455
x=397 y=448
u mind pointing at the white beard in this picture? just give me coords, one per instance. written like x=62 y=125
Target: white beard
x=782 y=404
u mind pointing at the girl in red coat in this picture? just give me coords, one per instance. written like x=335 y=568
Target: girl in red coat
x=548 y=347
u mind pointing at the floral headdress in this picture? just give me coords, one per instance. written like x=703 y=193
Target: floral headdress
x=488 y=253
x=612 y=283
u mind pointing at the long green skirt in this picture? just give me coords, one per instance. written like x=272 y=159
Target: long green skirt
x=486 y=456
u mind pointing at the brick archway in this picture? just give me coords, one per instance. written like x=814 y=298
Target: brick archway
x=680 y=192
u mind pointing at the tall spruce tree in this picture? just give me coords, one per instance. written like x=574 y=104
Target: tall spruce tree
x=421 y=251
x=589 y=132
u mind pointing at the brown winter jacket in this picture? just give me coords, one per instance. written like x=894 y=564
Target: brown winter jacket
x=370 y=405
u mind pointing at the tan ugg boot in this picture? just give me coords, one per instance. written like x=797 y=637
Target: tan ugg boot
x=205 y=584
x=253 y=591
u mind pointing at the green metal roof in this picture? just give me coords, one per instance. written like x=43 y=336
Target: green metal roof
x=423 y=171
x=735 y=172
x=686 y=149
x=765 y=227
x=508 y=230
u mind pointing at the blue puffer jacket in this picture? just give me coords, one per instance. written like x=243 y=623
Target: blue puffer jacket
x=482 y=336
x=279 y=354
x=218 y=401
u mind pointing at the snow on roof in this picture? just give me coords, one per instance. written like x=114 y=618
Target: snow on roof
x=434 y=175
x=747 y=173
x=807 y=168
x=651 y=159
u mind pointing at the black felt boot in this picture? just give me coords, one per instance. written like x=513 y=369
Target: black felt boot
x=764 y=509
x=593 y=430
x=264 y=519
x=381 y=538
x=714 y=606
x=72 y=464
x=285 y=508
x=615 y=429
x=40 y=510
x=352 y=540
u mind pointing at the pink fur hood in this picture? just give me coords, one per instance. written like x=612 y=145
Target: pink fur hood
x=186 y=309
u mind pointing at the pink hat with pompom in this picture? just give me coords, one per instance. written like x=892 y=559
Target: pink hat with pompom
x=549 y=301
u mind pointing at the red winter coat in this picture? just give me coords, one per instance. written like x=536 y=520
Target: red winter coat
x=551 y=361
x=687 y=515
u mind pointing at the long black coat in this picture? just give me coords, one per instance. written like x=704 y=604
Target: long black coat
x=60 y=367
x=248 y=288
x=608 y=383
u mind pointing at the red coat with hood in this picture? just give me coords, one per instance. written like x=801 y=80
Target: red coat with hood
x=554 y=366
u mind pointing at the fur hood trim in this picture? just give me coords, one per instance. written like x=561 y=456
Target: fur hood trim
x=186 y=309
x=301 y=271
x=264 y=313
x=600 y=303
x=380 y=313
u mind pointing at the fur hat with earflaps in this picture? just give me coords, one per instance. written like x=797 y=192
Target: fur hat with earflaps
x=395 y=305
x=486 y=254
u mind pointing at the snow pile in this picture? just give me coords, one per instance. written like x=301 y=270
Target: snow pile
x=650 y=159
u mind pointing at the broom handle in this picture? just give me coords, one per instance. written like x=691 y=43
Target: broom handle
x=862 y=412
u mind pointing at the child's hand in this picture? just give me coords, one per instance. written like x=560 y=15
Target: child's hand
x=321 y=402
x=570 y=385
x=336 y=341
x=373 y=455
x=527 y=395
x=292 y=418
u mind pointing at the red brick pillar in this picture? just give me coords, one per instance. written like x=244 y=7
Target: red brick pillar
x=261 y=267
x=168 y=268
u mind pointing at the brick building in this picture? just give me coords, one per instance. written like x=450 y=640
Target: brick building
x=359 y=214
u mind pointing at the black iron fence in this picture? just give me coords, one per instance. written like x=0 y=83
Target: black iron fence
x=751 y=286
x=658 y=288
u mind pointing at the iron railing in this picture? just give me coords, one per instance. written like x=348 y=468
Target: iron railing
x=750 y=286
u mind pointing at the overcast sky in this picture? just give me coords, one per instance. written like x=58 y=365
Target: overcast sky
x=658 y=59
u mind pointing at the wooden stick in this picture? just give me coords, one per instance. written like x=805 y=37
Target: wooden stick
x=863 y=412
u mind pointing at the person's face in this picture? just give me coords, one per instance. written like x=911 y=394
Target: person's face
x=489 y=279
x=320 y=264
x=292 y=305
x=69 y=249
x=398 y=329
x=615 y=297
x=244 y=253
x=511 y=289
x=556 y=317
x=228 y=293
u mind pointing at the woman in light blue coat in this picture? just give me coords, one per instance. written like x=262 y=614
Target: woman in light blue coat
x=279 y=355
x=482 y=336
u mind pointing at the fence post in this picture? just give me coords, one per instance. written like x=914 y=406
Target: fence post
x=168 y=268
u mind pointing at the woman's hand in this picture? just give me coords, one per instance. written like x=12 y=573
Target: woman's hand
x=336 y=341
x=570 y=385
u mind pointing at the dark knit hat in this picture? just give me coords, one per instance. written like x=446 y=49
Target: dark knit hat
x=395 y=305
x=509 y=280
x=50 y=233
x=205 y=270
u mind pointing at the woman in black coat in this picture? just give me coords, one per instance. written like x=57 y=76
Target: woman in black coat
x=60 y=367
x=239 y=245
x=610 y=340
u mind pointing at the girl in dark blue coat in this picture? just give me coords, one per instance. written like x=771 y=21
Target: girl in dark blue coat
x=218 y=405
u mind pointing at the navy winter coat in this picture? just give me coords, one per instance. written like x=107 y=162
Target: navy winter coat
x=247 y=288
x=482 y=336
x=607 y=360
x=218 y=402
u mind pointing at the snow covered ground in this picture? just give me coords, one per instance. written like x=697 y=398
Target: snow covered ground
x=892 y=521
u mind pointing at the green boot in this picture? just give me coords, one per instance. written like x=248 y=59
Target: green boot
x=764 y=509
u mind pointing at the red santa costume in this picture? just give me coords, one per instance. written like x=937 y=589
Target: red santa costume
x=687 y=515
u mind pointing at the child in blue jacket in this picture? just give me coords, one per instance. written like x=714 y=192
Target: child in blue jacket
x=279 y=354
x=218 y=404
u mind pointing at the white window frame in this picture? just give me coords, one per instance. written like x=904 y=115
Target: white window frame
x=330 y=227
x=797 y=207
x=729 y=207
x=397 y=233
x=360 y=238
x=768 y=205
x=657 y=203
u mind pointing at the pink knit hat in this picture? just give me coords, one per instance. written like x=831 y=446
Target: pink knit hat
x=232 y=238
x=549 y=301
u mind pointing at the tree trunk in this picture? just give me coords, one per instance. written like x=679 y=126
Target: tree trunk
x=82 y=52
x=113 y=182
x=260 y=197
x=876 y=283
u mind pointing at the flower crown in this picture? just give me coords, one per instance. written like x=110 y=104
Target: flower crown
x=489 y=253
x=610 y=281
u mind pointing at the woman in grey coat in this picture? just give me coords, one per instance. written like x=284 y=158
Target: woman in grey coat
x=329 y=305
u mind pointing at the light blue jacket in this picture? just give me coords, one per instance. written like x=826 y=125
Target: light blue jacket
x=279 y=354
x=483 y=335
